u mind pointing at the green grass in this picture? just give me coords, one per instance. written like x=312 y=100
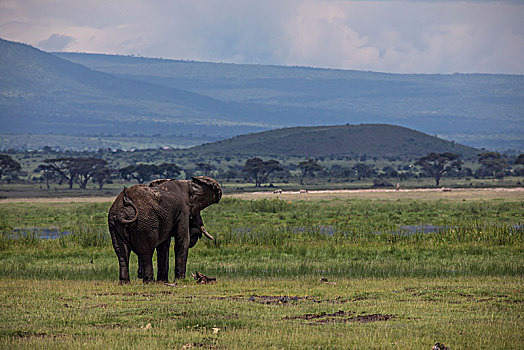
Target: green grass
x=461 y=286
x=237 y=313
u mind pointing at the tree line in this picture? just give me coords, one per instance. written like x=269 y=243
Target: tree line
x=434 y=165
x=80 y=171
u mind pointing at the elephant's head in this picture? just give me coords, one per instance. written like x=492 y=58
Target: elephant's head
x=204 y=192
x=196 y=230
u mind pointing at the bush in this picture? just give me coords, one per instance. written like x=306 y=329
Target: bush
x=382 y=183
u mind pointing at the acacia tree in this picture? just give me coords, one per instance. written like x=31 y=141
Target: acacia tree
x=79 y=170
x=493 y=163
x=139 y=172
x=260 y=170
x=101 y=176
x=520 y=160
x=8 y=166
x=63 y=168
x=145 y=172
x=87 y=168
x=308 y=168
x=204 y=168
x=437 y=164
x=169 y=170
x=48 y=174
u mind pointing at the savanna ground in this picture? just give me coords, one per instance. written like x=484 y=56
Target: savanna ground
x=316 y=270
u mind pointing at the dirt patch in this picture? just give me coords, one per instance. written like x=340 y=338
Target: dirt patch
x=415 y=193
x=102 y=306
x=288 y=299
x=460 y=193
x=279 y=300
x=341 y=317
x=338 y=313
x=268 y=299
x=370 y=318
x=134 y=294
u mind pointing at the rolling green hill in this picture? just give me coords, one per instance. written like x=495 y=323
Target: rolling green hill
x=372 y=140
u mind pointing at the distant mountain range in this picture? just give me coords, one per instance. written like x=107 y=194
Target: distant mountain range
x=42 y=93
x=72 y=94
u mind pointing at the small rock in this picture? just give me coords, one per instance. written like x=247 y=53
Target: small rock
x=147 y=326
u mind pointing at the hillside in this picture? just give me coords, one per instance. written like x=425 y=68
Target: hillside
x=481 y=110
x=42 y=93
x=372 y=140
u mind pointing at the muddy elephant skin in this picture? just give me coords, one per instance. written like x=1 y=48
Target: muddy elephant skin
x=144 y=217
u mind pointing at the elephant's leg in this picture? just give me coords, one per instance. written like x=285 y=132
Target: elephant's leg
x=122 y=251
x=181 y=248
x=146 y=258
x=181 y=259
x=162 y=256
x=140 y=272
x=123 y=262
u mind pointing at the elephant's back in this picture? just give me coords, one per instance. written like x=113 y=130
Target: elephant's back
x=120 y=211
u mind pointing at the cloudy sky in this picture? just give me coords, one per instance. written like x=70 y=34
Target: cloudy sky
x=411 y=36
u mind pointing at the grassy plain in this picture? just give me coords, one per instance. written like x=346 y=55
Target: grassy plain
x=461 y=285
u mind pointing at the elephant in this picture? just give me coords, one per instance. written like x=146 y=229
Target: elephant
x=143 y=218
x=196 y=230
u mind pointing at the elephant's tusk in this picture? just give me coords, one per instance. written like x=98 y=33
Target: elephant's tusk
x=204 y=231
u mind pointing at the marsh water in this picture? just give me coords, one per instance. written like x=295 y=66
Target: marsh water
x=39 y=232
x=55 y=232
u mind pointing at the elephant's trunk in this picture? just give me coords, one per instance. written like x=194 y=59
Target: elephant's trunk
x=204 y=231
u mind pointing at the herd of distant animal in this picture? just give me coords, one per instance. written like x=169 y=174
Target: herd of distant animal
x=145 y=217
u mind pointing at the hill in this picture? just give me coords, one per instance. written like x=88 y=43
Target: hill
x=42 y=93
x=372 y=140
x=481 y=110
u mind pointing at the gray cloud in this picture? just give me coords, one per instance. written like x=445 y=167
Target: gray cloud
x=55 y=42
x=393 y=36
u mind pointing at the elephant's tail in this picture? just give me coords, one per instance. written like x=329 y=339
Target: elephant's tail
x=129 y=202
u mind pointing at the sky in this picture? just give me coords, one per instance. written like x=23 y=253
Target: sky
x=410 y=36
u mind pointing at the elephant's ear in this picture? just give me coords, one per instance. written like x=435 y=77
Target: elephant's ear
x=210 y=183
x=204 y=180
